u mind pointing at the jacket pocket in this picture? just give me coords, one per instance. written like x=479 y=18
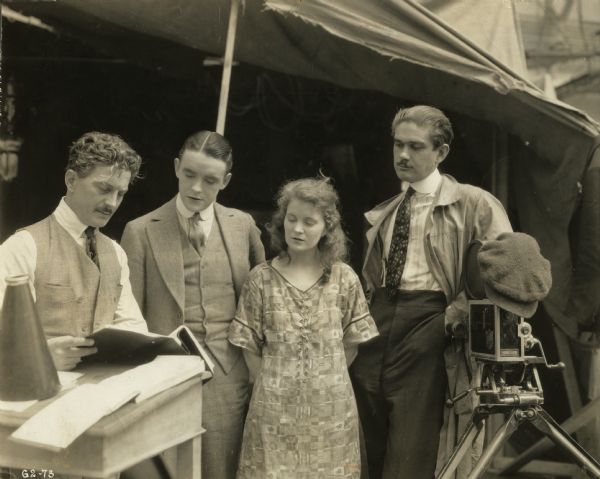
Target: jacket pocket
x=57 y=293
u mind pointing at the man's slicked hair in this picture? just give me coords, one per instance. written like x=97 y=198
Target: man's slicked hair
x=429 y=116
x=102 y=149
x=210 y=143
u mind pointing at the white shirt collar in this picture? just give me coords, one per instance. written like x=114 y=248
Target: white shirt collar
x=206 y=214
x=427 y=185
x=69 y=220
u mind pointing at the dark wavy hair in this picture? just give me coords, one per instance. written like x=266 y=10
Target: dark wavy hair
x=102 y=149
x=429 y=116
x=319 y=192
x=212 y=144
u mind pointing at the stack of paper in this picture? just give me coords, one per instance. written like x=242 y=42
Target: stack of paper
x=64 y=419
x=151 y=378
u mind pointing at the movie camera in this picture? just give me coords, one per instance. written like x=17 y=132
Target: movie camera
x=506 y=355
x=502 y=344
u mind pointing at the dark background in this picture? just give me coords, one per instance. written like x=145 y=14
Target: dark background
x=281 y=128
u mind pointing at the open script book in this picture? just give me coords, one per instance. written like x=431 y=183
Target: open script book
x=131 y=347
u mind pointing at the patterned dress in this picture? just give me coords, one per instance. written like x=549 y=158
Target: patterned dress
x=302 y=421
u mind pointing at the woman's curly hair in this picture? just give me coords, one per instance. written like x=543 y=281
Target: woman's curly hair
x=319 y=192
x=102 y=149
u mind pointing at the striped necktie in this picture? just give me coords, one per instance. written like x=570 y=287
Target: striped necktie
x=397 y=256
x=196 y=232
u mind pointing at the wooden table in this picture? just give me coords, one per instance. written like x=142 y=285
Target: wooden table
x=129 y=435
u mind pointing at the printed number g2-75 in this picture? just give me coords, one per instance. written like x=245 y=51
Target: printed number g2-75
x=33 y=473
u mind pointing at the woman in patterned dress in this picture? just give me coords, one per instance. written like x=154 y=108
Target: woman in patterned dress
x=300 y=318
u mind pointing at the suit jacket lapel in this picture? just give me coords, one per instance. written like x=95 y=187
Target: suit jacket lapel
x=165 y=242
x=230 y=231
x=376 y=217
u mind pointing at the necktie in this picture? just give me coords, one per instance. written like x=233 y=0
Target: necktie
x=196 y=232
x=90 y=245
x=397 y=255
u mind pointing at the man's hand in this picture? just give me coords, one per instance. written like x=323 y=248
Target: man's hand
x=67 y=351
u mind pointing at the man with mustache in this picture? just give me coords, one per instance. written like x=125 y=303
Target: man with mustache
x=412 y=272
x=189 y=259
x=78 y=276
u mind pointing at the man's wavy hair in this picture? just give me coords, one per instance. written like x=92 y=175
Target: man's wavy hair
x=427 y=116
x=319 y=192
x=102 y=149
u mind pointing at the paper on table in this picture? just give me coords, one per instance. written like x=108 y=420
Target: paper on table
x=161 y=377
x=16 y=406
x=63 y=420
x=66 y=378
x=160 y=374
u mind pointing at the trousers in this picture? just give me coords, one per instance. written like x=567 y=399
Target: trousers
x=400 y=383
x=224 y=405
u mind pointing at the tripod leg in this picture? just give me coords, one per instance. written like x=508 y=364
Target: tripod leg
x=466 y=441
x=502 y=434
x=544 y=422
x=580 y=418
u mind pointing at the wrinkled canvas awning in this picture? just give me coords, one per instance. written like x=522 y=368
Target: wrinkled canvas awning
x=383 y=45
x=399 y=48
x=490 y=24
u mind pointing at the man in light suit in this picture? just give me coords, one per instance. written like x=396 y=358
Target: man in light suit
x=188 y=261
x=412 y=273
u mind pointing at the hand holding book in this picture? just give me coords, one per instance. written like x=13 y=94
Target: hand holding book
x=121 y=346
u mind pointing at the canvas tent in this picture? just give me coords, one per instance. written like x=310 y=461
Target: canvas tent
x=400 y=48
x=546 y=166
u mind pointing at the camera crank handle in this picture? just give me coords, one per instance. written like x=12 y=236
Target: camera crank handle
x=559 y=365
x=450 y=402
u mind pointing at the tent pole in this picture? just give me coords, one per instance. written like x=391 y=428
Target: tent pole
x=500 y=166
x=226 y=79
